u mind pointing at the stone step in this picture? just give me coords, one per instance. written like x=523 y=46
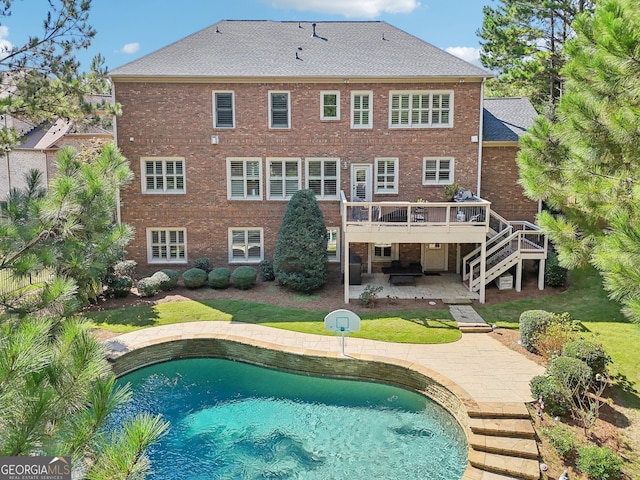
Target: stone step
x=499 y=410
x=480 y=328
x=512 y=446
x=523 y=468
x=503 y=427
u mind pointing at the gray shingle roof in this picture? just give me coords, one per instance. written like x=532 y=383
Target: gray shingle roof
x=239 y=48
x=506 y=119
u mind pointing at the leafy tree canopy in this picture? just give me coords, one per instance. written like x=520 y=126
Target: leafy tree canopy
x=522 y=41
x=583 y=162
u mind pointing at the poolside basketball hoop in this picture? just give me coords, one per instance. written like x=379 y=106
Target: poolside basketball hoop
x=342 y=322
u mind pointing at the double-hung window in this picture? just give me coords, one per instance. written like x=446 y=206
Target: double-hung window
x=284 y=177
x=420 y=109
x=246 y=245
x=323 y=177
x=279 y=110
x=386 y=175
x=437 y=171
x=162 y=175
x=361 y=109
x=223 y=110
x=167 y=245
x=330 y=105
x=243 y=178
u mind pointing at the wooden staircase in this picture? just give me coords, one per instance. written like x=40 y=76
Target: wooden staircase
x=503 y=441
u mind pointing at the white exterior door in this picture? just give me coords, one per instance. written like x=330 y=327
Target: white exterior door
x=361 y=184
x=434 y=257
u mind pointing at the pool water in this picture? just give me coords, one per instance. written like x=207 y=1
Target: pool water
x=231 y=420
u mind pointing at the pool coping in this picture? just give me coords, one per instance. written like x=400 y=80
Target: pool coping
x=128 y=357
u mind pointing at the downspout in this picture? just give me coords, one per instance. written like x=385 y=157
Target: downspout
x=115 y=142
x=479 y=186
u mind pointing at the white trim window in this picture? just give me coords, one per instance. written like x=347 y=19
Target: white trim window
x=323 y=177
x=284 y=178
x=224 y=110
x=383 y=252
x=437 y=171
x=386 y=175
x=244 y=178
x=279 y=110
x=330 y=105
x=166 y=245
x=420 y=109
x=162 y=175
x=333 y=244
x=362 y=109
x=246 y=245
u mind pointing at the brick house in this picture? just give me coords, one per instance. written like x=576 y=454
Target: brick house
x=223 y=126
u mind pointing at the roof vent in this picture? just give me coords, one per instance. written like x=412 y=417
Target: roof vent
x=314 y=35
x=217 y=31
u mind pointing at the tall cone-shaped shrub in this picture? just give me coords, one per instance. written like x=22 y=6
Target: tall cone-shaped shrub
x=300 y=259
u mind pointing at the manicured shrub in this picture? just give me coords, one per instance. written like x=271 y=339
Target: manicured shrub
x=119 y=287
x=572 y=373
x=194 y=278
x=219 y=278
x=244 y=277
x=591 y=353
x=554 y=274
x=600 y=463
x=300 y=258
x=562 y=439
x=266 y=271
x=550 y=342
x=173 y=275
x=203 y=264
x=532 y=324
x=148 y=286
x=125 y=268
x=555 y=401
x=164 y=281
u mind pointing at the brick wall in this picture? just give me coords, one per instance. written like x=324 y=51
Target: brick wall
x=500 y=184
x=174 y=119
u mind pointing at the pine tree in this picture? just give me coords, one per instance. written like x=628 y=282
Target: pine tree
x=583 y=162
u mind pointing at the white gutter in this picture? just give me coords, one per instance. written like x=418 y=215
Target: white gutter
x=478 y=188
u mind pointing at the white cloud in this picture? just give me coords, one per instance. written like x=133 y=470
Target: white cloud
x=349 y=8
x=470 y=54
x=130 y=48
x=5 y=45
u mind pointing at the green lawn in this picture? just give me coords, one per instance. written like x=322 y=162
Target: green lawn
x=585 y=300
x=407 y=326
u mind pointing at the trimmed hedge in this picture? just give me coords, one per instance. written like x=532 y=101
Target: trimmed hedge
x=532 y=324
x=266 y=271
x=591 y=353
x=148 y=286
x=244 y=278
x=120 y=287
x=173 y=275
x=219 y=278
x=194 y=278
x=549 y=389
x=571 y=372
x=203 y=264
x=600 y=463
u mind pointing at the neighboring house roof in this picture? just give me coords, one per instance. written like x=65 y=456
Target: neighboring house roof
x=241 y=48
x=47 y=136
x=506 y=119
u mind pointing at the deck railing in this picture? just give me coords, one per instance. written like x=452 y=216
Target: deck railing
x=408 y=214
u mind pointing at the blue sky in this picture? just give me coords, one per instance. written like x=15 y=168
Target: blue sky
x=130 y=29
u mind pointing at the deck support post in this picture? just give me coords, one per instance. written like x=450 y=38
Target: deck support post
x=346 y=270
x=541 y=274
x=519 y=275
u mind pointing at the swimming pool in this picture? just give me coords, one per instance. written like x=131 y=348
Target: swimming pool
x=231 y=420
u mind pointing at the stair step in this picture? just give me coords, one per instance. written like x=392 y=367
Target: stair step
x=523 y=468
x=511 y=446
x=475 y=328
x=505 y=427
x=499 y=410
